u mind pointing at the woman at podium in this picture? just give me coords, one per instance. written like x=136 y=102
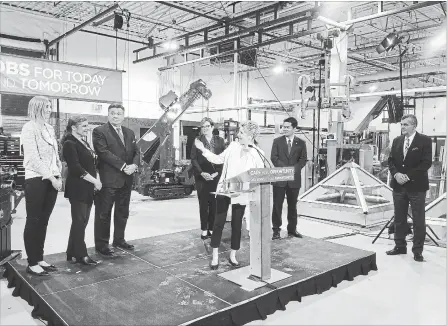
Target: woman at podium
x=239 y=157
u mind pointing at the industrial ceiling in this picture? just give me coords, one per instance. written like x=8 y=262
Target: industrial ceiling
x=288 y=31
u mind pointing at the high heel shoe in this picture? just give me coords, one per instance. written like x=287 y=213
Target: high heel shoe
x=86 y=261
x=214 y=267
x=233 y=264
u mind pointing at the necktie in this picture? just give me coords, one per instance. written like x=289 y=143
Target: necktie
x=407 y=146
x=120 y=133
x=289 y=145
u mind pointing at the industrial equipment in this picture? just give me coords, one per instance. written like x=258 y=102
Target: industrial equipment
x=7 y=193
x=172 y=180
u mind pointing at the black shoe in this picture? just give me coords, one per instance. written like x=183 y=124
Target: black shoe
x=233 y=264
x=203 y=237
x=30 y=271
x=106 y=252
x=418 y=257
x=86 y=261
x=214 y=267
x=397 y=251
x=276 y=236
x=124 y=245
x=295 y=234
x=209 y=234
x=49 y=268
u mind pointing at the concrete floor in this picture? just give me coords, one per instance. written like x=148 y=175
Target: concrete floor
x=401 y=292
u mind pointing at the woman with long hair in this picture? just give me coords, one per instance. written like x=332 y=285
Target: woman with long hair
x=239 y=157
x=42 y=181
x=81 y=183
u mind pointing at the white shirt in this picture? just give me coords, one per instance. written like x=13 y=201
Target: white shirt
x=405 y=142
x=236 y=160
x=291 y=139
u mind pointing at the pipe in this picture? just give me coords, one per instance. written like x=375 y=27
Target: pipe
x=332 y=22
x=406 y=91
x=111 y=36
x=395 y=73
x=80 y=26
x=390 y=12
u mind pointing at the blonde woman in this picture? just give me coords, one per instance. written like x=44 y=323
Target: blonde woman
x=239 y=157
x=42 y=181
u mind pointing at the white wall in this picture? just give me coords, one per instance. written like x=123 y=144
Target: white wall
x=431 y=115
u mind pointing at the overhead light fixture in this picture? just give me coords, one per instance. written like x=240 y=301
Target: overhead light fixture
x=278 y=69
x=388 y=43
x=170 y=45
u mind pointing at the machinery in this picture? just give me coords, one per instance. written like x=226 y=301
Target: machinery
x=7 y=196
x=172 y=179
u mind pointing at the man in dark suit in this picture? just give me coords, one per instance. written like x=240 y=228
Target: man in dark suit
x=287 y=150
x=203 y=175
x=118 y=160
x=409 y=161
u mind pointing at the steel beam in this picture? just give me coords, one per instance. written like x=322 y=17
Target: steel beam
x=254 y=46
x=188 y=10
x=212 y=27
x=390 y=12
x=80 y=26
x=279 y=23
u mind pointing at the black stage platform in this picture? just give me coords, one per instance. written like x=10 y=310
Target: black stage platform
x=167 y=281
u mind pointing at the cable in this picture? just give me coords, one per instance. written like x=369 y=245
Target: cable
x=261 y=155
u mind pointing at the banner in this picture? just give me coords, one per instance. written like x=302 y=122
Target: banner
x=31 y=76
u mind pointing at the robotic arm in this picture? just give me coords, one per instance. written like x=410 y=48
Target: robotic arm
x=153 y=140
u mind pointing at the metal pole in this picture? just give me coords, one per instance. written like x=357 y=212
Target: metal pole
x=88 y=22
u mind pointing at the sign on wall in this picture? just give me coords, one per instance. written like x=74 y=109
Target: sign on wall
x=32 y=76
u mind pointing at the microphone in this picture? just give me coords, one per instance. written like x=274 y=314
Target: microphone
x=264 y=159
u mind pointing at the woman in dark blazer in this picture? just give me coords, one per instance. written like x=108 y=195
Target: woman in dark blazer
x=80 y=186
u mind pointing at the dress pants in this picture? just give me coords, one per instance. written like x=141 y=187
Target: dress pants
x=417 y=201
x=237 y=213
x=80 y=213
x=207 y=202
x=40 y=197
x=278 y=200
x=104 y=201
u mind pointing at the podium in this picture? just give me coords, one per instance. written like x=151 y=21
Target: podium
x=256 y=182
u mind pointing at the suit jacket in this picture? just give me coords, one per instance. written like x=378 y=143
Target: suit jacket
x=39 y=150
x=80 y=162
x=201 y=164
x=415 y=165
x=113 y=155
x=297 y=158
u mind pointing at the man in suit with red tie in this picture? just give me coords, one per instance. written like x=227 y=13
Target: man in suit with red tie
x=287 y=150
x=409 y=161
x=118 y=160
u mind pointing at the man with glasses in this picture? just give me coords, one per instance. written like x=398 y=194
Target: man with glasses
x=409 y=161
x=118 y=160
x=287 y=150
x=207 y=175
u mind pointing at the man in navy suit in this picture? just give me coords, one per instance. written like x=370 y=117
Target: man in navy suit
x=287 y=150
x=409 y=161
x=118 y=160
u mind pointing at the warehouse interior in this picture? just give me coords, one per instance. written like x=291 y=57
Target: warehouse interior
x=347 y=71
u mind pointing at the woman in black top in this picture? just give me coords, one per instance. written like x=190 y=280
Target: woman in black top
x=80 y=186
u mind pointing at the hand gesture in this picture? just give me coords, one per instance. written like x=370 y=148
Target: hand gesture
x=98 y=185
x=401 y=178
x=56 y=183
x=130 y=169
x=199 y=145
x=206 y=176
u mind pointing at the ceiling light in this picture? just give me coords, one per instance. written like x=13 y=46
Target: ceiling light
x=278 y=69
x=388 y=43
